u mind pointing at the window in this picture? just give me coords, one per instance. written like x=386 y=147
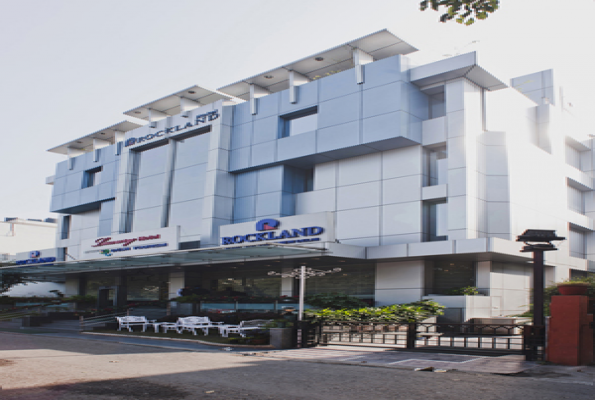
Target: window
x=303 y=180
x=576 y=200
x=299 y=122
x=92 y=177
x=576 y=240
x=65 y=227
x=437 y=166
x=449 y=275
x=435 y=221
x=437 y=105
x=573 y=156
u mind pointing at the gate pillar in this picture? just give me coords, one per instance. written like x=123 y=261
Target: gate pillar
x=570 y=336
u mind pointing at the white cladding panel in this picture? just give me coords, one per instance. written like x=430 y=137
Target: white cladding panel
x=131 y=244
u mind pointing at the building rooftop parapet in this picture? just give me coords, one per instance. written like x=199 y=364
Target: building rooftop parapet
x=378 y=45
x=462 y=66
x=86 y=143
x=178 y=102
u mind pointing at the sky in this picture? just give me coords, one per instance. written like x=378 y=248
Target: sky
x=70 y=67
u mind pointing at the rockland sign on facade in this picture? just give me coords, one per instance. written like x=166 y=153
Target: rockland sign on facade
x=415 y=180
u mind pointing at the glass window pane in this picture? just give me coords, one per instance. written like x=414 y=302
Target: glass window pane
x=354 y=280
x=450 y=275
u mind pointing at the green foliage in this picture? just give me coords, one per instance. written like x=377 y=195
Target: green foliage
x=552 y=290
x=397 y=313
x=8 y=280
x=334 y=301
x=462 y=11
x=82 y=298
x=573 y=282
x=464 y=291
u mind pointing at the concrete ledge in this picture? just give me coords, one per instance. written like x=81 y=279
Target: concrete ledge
x=268 y=346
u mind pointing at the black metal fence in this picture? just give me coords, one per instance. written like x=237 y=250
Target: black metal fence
x=496 y=339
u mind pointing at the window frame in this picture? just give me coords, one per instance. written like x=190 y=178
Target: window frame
x=285 y=120
x=90 y=177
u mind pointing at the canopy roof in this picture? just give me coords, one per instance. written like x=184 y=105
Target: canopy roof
x=173 y=258
x=170 y=104
x=85 y=143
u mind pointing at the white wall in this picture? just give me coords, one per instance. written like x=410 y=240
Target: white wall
x=21 y=236
x=399 y=282
x=376 y=197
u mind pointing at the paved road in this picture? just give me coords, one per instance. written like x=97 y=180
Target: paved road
x=49 y=367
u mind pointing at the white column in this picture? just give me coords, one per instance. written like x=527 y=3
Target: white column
x=302 y=291
x=464 y=125
x=155 y=116
x=176 y=282
x=187 y=105
x=71 y=153
x=295 y=79
x=98 y=144
x=360 y=58
x=256 y=92
x=167 y=184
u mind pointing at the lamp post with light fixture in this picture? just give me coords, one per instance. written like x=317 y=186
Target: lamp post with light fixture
x=540 y=242
x=302 y=274
x=534 y=336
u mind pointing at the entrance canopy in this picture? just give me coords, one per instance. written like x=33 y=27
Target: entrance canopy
x=212 y=255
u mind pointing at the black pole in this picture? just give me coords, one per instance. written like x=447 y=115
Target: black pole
x=538 y=319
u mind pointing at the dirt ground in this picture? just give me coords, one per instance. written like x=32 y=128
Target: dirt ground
x=36 y=367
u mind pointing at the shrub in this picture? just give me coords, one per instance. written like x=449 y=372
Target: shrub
x=397 y=313
x=82 y=298
x=464 y=291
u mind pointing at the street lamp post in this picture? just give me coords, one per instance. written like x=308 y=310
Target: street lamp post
x=541 y=242
x=534 y=336
x=302 y=274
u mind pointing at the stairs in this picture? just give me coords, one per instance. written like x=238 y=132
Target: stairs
x=64 y=326
x=52 y=322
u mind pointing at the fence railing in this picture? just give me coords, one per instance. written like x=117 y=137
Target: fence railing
x=486 y=338
x=90 y=322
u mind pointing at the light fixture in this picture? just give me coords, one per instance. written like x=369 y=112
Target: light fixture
x=78 y=141
x=268 y=76
x=191 y=91
x=102 y=133
x=319 y=58
x=302 y=274
x=137 y=112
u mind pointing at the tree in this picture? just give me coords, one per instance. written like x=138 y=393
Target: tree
x=8 y=280
x=462 y=11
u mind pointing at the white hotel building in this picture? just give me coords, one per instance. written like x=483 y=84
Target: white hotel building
x=415 y=180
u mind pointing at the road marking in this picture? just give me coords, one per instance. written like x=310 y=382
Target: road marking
x=351 y=358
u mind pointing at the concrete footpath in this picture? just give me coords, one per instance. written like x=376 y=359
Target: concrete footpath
x=511 y=365
x=85 y=367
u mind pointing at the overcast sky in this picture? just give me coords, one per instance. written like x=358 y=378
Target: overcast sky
x=72 y=67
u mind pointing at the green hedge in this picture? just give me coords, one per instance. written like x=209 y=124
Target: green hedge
x=397 y=313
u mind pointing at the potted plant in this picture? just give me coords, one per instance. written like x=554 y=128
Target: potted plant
x=573 y=288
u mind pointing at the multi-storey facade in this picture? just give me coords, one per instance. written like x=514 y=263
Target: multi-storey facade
x=415 y=180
